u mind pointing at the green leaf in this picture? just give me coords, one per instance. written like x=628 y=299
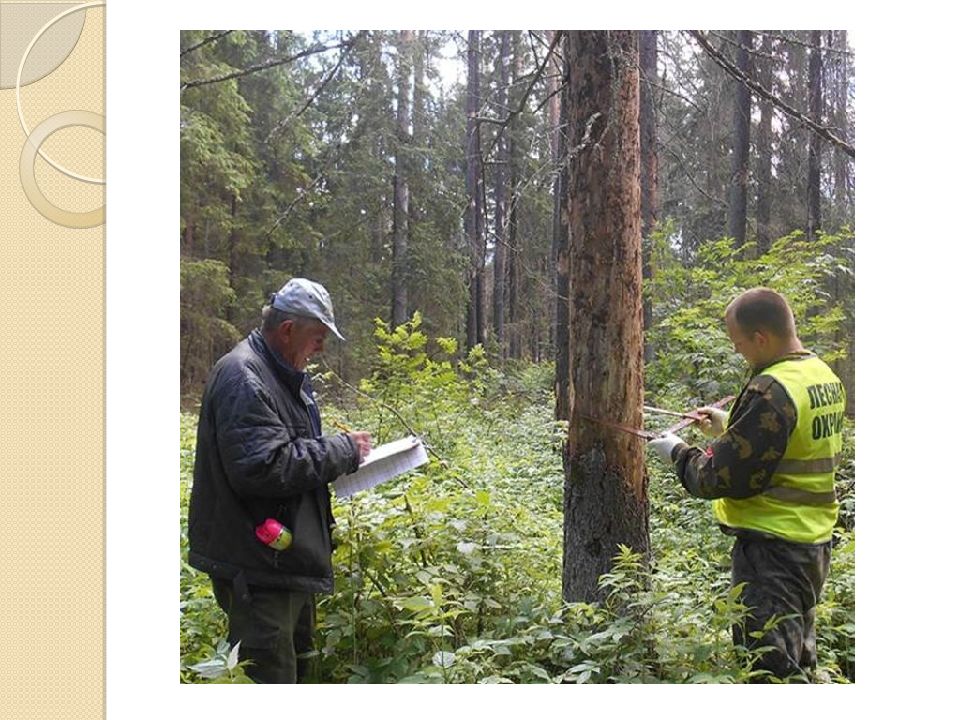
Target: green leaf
x=416 y=603
x=444 y=659
x=234 y=656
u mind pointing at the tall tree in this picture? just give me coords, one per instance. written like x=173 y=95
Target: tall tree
x=740 y=159
x=764 y=152
x=840 y=86
x=562 y=251
x=473 y=219
x=648 y=168
x=401 y=191
x=553 y=128
x=605 y=502
x=813 y=157
x=513 y=241
x=501 y=250
x=561 y=235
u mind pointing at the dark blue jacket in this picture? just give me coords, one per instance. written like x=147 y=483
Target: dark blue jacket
x=260 y=455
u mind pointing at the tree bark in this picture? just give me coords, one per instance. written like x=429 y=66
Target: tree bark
x=418 y=126
x=513 y=260
x=765 y=148
x=500 y=202
x=401 y=191
x=814 y=220
x=841 y=161
x=553 y=71
x=740 y=160
x=648 y=171
x=472 y=214
x=605 y=501
x=561 y=243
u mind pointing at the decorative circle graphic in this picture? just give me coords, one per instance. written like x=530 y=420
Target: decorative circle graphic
x=50 y=23
x=28 y=179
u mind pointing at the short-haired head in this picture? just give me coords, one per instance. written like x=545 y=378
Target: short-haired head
x=762 y=309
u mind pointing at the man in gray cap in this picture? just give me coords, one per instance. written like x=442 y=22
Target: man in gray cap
x=260 y=521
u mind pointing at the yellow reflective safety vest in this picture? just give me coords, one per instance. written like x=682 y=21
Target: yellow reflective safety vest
x=800 y=503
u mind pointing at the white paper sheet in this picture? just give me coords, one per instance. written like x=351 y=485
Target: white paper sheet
x=383 y=462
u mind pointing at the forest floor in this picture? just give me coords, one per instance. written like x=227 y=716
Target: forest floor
x=452 y=573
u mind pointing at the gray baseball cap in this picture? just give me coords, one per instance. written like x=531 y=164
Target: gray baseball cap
x=306 y=298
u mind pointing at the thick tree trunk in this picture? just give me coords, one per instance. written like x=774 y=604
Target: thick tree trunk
x=500 y=202
x=740 y=160
x=814 y=220
x=401 y=192
x=648 y=171
x=765 y=148
x=605 y=501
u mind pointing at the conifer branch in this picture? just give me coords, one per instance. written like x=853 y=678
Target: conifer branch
x=313 y=50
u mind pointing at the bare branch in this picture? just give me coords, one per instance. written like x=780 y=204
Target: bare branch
x=693 y=181
x=798 y=41
x=753 y=51
x=313 y=50
x=523 y=101
x=320 y=87
x=283 y=216
x=762 y=92
x=210 y=39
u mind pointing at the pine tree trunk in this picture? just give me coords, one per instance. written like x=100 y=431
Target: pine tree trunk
x=740 y=160
x=471 y=216
x=500 y=201
x=605 y=501
x=841 y=160
x=765 y=148
x=401 y=193
x=814 y=220
x=513 y=260
x=648 y=171
x=553 y=125
x=561 y=243
x=418 y=122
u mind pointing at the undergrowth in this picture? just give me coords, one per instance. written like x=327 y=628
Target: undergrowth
x=451 y=573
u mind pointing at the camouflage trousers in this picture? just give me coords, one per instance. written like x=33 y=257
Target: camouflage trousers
x=784 y=580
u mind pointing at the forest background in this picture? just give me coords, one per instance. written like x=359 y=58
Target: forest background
x=439 y=207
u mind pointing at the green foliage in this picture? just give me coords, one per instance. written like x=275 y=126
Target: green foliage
x=205 y=293
x=451 y=573
x=694 y=359
x=271 y=187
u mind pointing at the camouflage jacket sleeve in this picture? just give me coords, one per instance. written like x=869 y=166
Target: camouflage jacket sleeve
x=742 y=460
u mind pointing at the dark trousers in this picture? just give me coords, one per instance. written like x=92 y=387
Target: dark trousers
x=782 y=579
x=275 y=628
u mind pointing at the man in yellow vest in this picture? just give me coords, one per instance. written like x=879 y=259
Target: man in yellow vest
x=770 y=472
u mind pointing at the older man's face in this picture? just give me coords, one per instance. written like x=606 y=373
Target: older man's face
x=302 y=341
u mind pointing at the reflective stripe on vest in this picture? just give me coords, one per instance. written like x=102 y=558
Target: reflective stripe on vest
x=801 y=467
x=801 y=497
x=800 y=503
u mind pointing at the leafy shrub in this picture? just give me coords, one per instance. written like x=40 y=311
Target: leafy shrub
x=693 y=358
x=451 y=573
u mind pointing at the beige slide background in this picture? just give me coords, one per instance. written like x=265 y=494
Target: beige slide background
x=52 y=360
